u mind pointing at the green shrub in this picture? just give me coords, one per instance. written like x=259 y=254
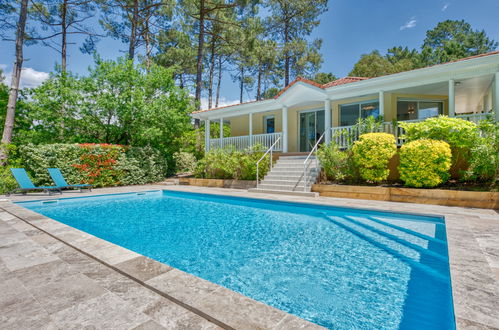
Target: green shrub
x=232 y=164
x=98 y=164
x=371 y=154
x=141 y=165
x=333 y=161
x=218 y=164
x=425 y=163
x=458 y=133
x=7 y=182
x=484 y=156
x=185 y=162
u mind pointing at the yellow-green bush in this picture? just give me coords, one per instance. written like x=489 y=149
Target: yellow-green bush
x=425 y=163
x=371 y=153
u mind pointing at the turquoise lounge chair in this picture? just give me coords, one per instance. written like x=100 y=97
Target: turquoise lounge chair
x=59 y=180
x=25 y=183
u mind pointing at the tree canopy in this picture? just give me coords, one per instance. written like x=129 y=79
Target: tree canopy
x=448 y=41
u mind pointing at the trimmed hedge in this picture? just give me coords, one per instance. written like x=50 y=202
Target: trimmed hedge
x=425 y=163
x=371 y=153
x=98 y=164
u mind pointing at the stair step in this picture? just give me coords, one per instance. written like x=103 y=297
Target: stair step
x=296 y=157
x=292 y=183
x=281 y=187
x=284 y=192
x=294 y=161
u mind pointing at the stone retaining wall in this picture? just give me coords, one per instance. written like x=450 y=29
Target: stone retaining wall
x=486 y=200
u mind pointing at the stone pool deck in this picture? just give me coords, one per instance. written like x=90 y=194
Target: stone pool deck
x=53 y=276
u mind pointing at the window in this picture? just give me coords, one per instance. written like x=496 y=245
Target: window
x=269 y=124
x=350 y=113
x=411 y=110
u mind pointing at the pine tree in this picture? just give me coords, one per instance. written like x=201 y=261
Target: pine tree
x=291 y=22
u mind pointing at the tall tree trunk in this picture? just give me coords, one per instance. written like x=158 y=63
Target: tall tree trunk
x=241 y=85
x=64 y=35
x=199 y=64
x=286 y=54
x=147 y=38
x=64 y=43
x=211 y=73
x=259 y=84
x=16 y=77
x=219 y=82
x=133 y=30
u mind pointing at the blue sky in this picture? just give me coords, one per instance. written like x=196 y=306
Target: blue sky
x=348 y=29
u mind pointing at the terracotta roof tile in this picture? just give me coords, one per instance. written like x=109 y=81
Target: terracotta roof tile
x=343 y=81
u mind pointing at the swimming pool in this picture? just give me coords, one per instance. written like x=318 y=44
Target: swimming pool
x=337 y=267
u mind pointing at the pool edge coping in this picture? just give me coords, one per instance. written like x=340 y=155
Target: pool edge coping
x=469 y=303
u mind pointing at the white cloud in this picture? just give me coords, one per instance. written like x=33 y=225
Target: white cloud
x=409 y=24
x=446 y=5
x=30 y=78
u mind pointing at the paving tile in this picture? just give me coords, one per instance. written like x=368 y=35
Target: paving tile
x=149 y=325
x=74 y=258
x=66 y=292
x=114 y=254
x=185 y=287
x=464 y=324
x=136 y=295
x=48 y=273
x=481 y=306
x=143 y=268
x=238 y=311
x=46 y=224
x=103 y=312
x=24 y=254
x=12 y=236
x=91 y=244
x=47 y=242
x=173 y=316
x=19 y=310
x=294 y=322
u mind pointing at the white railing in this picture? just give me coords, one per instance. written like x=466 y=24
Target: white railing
x=271 y=160
x=474 y=117
x=345 y=136
x=306 y=164
x=244 y=142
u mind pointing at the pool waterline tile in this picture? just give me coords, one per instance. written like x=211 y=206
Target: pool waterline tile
x=452 y=214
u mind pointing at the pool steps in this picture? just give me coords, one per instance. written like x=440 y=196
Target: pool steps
x=286 y=177
x=406 y=251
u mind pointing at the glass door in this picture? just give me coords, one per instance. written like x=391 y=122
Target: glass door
x=311 y=129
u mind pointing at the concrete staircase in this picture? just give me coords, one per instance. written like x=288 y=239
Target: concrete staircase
x=286 y=177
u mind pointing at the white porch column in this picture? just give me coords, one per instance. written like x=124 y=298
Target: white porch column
x=382 y=104
x=250 y=129
x=207 y=135
x=327 y=120
x=284 y=129
x=221 y=132
x=496 y=95
x=452 y=98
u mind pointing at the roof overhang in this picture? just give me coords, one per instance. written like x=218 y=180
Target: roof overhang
x=443 y=72
x=302 y=91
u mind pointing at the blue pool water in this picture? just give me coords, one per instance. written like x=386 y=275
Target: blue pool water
x=337 y=267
